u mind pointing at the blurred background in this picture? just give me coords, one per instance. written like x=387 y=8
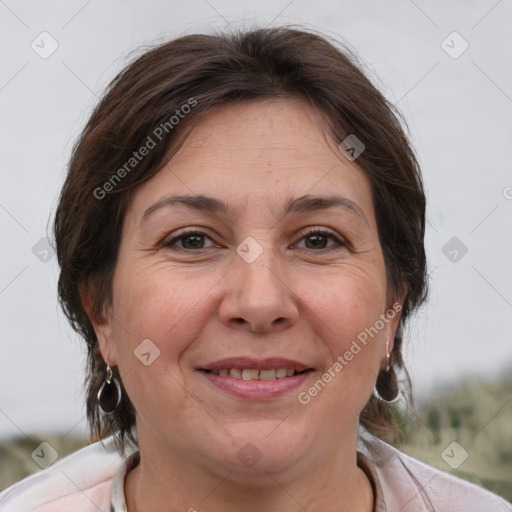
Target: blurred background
x=445 y=65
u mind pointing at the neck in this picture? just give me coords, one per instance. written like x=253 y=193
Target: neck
x=167 y=481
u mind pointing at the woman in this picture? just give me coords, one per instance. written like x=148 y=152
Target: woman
x=240 y=237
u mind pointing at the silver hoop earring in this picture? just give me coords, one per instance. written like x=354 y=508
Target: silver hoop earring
x=109 y=394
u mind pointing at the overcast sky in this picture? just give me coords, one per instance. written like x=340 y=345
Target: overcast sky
x=446 y=65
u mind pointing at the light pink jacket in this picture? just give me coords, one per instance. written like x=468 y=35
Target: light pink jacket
x=83 y=482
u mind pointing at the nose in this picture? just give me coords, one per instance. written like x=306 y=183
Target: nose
x=258 y=298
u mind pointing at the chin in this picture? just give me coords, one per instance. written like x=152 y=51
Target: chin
x=263 y=447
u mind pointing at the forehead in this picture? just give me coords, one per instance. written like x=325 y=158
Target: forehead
x=258 y=153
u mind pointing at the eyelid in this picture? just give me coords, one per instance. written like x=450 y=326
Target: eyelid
x=318 y=229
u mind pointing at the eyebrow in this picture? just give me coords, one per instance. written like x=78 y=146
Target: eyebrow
x=209 y=204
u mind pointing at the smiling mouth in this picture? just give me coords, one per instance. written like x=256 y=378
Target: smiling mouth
x=255 y=374
x=256 y=379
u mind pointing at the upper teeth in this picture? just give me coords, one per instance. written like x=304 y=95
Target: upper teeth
x=254 y=374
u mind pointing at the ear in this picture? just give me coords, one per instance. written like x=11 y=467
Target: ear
x=100 y=318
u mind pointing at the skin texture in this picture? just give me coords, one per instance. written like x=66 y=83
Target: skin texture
x=298 y=300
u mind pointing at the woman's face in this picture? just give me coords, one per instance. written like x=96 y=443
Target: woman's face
x=277 y=266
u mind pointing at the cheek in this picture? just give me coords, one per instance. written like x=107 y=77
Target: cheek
x=159 y=305
x=345 y=305
x=170 y=312
x=344 y=318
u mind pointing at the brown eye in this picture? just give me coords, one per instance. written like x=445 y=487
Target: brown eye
x=189 y=241
x=318 y=239
x=192 y=241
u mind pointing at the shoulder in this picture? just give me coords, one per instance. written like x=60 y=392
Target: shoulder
x=412 y=486
x=82 y=481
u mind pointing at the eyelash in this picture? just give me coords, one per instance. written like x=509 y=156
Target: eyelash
x=310 y=232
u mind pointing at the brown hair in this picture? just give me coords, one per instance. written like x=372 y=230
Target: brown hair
x=202 y=71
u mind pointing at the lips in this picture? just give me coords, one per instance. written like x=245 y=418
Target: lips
x=256 y=379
